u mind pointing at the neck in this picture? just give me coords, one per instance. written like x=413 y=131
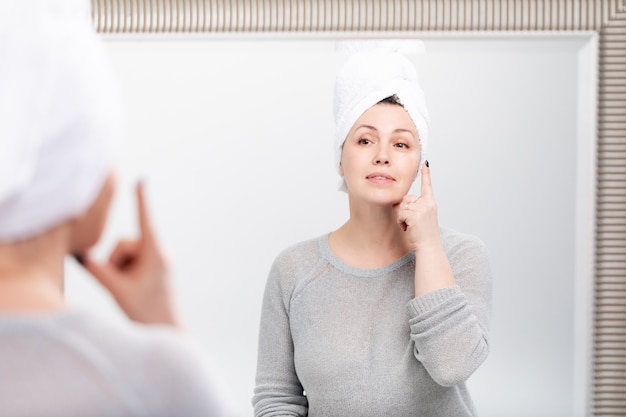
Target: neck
x=31 y=273
x=371 y=237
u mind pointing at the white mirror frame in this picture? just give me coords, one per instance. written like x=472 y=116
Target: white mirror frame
x=606 y=19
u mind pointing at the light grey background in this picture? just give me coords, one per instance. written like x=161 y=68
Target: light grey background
x=233 y=138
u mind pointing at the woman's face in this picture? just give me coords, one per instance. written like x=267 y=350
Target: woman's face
x=381 y=155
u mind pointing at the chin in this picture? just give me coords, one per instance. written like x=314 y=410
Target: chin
x=380 y=196
x=384 y=199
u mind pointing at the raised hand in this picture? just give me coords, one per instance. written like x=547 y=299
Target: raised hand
x=136 y=274
x=417 y=215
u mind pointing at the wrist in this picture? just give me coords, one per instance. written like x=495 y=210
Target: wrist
x=428 y=247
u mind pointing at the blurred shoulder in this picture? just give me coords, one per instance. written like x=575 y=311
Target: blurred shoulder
x=166 y=369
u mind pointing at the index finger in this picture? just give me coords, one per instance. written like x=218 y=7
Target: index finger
x=427 y=186
x=145 y=227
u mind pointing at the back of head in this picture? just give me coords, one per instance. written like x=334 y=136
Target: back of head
x=60 y=115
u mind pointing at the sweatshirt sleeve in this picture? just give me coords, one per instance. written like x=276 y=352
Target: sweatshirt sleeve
x=278 y=391
x=449 y=326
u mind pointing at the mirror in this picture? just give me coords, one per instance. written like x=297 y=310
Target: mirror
x=232 y=134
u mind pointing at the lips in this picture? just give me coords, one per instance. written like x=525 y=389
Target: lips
x=380 y=177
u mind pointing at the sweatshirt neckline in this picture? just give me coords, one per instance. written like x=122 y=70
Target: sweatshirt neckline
x=328 y=254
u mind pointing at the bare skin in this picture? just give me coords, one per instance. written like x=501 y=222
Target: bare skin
x=31 y=277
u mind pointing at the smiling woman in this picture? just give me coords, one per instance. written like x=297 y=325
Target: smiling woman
x=484 y=179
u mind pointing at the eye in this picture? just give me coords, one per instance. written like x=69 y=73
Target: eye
x=364 y=141
x=402 y=145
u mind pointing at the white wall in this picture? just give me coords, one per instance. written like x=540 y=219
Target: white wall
x=233 y=138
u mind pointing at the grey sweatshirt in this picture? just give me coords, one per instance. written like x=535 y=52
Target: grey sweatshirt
x=75 y=364
x=336 y=340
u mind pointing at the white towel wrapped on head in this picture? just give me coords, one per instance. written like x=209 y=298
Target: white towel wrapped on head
x=370 y=76
x=60 y=115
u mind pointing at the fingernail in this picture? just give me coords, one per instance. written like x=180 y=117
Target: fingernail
x=79 y=258
x=427 y=164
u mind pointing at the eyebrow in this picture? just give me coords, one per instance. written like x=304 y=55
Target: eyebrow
x=394 y=131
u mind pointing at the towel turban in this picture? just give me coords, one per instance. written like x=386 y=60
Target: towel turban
x=60 y=115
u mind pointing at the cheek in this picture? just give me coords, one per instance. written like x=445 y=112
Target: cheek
x=411 y=166
x=346 y=163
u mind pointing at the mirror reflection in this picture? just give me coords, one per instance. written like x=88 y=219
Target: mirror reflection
x=234 y=141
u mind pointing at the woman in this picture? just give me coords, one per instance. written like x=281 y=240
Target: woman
x=59 y=118
x=389 y=314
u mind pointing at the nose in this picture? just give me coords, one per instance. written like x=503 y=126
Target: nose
x=381 y=157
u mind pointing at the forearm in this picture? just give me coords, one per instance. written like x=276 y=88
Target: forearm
x=450 y=324
x=449 y=340
x=432 y=269
x=274 y=399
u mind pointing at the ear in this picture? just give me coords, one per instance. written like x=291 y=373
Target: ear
x=340 y=169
